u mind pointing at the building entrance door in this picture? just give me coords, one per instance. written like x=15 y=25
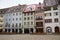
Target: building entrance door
x=56 y=29
x=26 y=30
x=20 y=30
x=39 y=30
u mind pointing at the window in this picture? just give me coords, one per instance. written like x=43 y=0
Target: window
x=47 y=8
x=39 y=18
x=13 y=19
x=12 y=25
x=24 y=18
x=39 y=24
x=24 y=23
x=31 y=18
x=8 y=25
x=20 y=18
x=9 y=19
x=1 y=20
x=0 y=25
x=9 y=14
x=5 y=25
x=48 y=20
x=20 y=13
x=39 y=7
x=28 y=23
x=27 y=13
x=56 y=20
x=45 y=14
x=16 y=13
x=0 y=11
x=28 y=18
x=55 y=8
x=24 y=14
x=31 y=23
x=13 y=14
x=19 y=24
x=31 y=13
x=48 y=14
x=16 y=18
x=6 y=19
x=1 y=15
x=16 y=25
x=55 y=13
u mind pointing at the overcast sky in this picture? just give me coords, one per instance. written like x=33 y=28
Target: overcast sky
x=9 y=3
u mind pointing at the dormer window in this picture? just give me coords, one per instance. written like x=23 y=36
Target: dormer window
x=29 y=8
x=1 y=11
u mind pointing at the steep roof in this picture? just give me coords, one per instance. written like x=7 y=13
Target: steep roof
x=18 y=8
x=33 y=7
x=3 y=11
x=51 y=2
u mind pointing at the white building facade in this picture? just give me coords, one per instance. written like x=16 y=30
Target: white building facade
x=52 y=19
x=13 y=20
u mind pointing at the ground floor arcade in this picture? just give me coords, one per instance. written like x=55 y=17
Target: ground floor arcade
x=24 y=30
x=52 y=29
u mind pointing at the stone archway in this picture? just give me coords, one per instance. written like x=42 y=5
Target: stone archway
x=56 y=29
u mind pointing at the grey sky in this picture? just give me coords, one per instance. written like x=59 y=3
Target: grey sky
x=9 y=3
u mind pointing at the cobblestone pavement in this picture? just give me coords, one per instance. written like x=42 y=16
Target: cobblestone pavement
x=29 y=37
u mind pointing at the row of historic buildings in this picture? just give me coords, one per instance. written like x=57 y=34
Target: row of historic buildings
x=34 y=18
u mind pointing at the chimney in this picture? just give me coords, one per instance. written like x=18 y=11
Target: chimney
x=39 y=3
x=19 y=4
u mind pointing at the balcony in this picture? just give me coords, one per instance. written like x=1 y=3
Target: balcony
x=39 y=18
x=47 y=8
x=39 y=24
x=28 y=26
x=55 y=8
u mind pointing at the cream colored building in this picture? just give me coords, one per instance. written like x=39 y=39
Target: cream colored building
x=1 y=21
